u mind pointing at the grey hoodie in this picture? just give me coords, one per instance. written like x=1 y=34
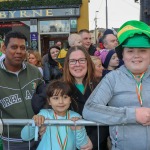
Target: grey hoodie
x=118 y=90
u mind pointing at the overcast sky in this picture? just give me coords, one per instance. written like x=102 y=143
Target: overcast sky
x=119 y=11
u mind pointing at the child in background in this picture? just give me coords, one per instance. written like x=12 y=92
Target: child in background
x=109 y=59
x=74 y=40
x=58 y=137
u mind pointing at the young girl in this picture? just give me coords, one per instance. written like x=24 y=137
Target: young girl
x=58 y=137
x=74 y=40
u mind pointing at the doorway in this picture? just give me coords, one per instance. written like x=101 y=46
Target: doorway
x=48 y=40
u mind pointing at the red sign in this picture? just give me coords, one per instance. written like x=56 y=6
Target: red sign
x=9 y=25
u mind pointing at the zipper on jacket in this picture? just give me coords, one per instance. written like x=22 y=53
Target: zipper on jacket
x=22 y=97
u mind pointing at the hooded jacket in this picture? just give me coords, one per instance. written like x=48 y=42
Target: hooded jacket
x=118 y=90
x=16 y=92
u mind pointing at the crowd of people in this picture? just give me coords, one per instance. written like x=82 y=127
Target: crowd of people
x=109 y=85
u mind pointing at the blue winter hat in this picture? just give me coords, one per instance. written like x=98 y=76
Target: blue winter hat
x=108 y=31
x=108 y=57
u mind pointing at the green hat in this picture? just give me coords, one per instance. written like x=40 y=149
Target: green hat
x=130 y=30
x=140 y=41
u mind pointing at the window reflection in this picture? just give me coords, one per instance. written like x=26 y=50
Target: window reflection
x=54 y=26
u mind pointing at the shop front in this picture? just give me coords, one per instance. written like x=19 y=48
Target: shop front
x=42 y=27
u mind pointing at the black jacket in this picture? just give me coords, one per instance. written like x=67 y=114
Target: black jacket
x=51 y=72
x=92 y=50
x=91 y=130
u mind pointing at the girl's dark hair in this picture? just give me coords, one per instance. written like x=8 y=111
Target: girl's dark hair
x=50 y=60
x=62 y=88
x=59 y=85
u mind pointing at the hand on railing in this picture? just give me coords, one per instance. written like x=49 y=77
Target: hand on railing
x=74 y=119
x=39 y=120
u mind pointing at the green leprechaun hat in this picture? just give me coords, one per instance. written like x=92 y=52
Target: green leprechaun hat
x=133 y=34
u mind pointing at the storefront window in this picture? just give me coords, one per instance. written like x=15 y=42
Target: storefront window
x=54 y=26
x=21 y=26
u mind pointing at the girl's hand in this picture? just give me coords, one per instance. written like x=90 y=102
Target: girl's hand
x=39 y=120
x=74 y=119
x=42 y=131
x=88 y=146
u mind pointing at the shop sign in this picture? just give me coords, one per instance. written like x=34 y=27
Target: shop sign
x=39 y=13
x=73 y=25
x=34 y=40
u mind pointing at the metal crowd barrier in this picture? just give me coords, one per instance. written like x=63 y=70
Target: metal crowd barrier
x=23 y=122
x=50 y=122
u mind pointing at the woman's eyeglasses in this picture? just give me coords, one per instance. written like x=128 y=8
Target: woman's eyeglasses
x=74 y=61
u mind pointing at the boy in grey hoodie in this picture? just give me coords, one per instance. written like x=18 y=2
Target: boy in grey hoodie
x=126 y=91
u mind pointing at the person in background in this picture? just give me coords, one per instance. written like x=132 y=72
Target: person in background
x=34 y=58
x=58 y=43
x=98 y=67
x=108 y=31
x=110 y=41
x=61 y=55
x=44 y=58
x=52 y=69
x=121 y=100
x=110 y=61
x=62 y=52
x=18 y=80
x=74 y=40
x=58 y=137
x=86 y=41
x=100 y=34
x=79 y=74
x=2 y=55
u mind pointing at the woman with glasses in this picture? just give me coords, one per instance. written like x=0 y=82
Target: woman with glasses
x=79 y=73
